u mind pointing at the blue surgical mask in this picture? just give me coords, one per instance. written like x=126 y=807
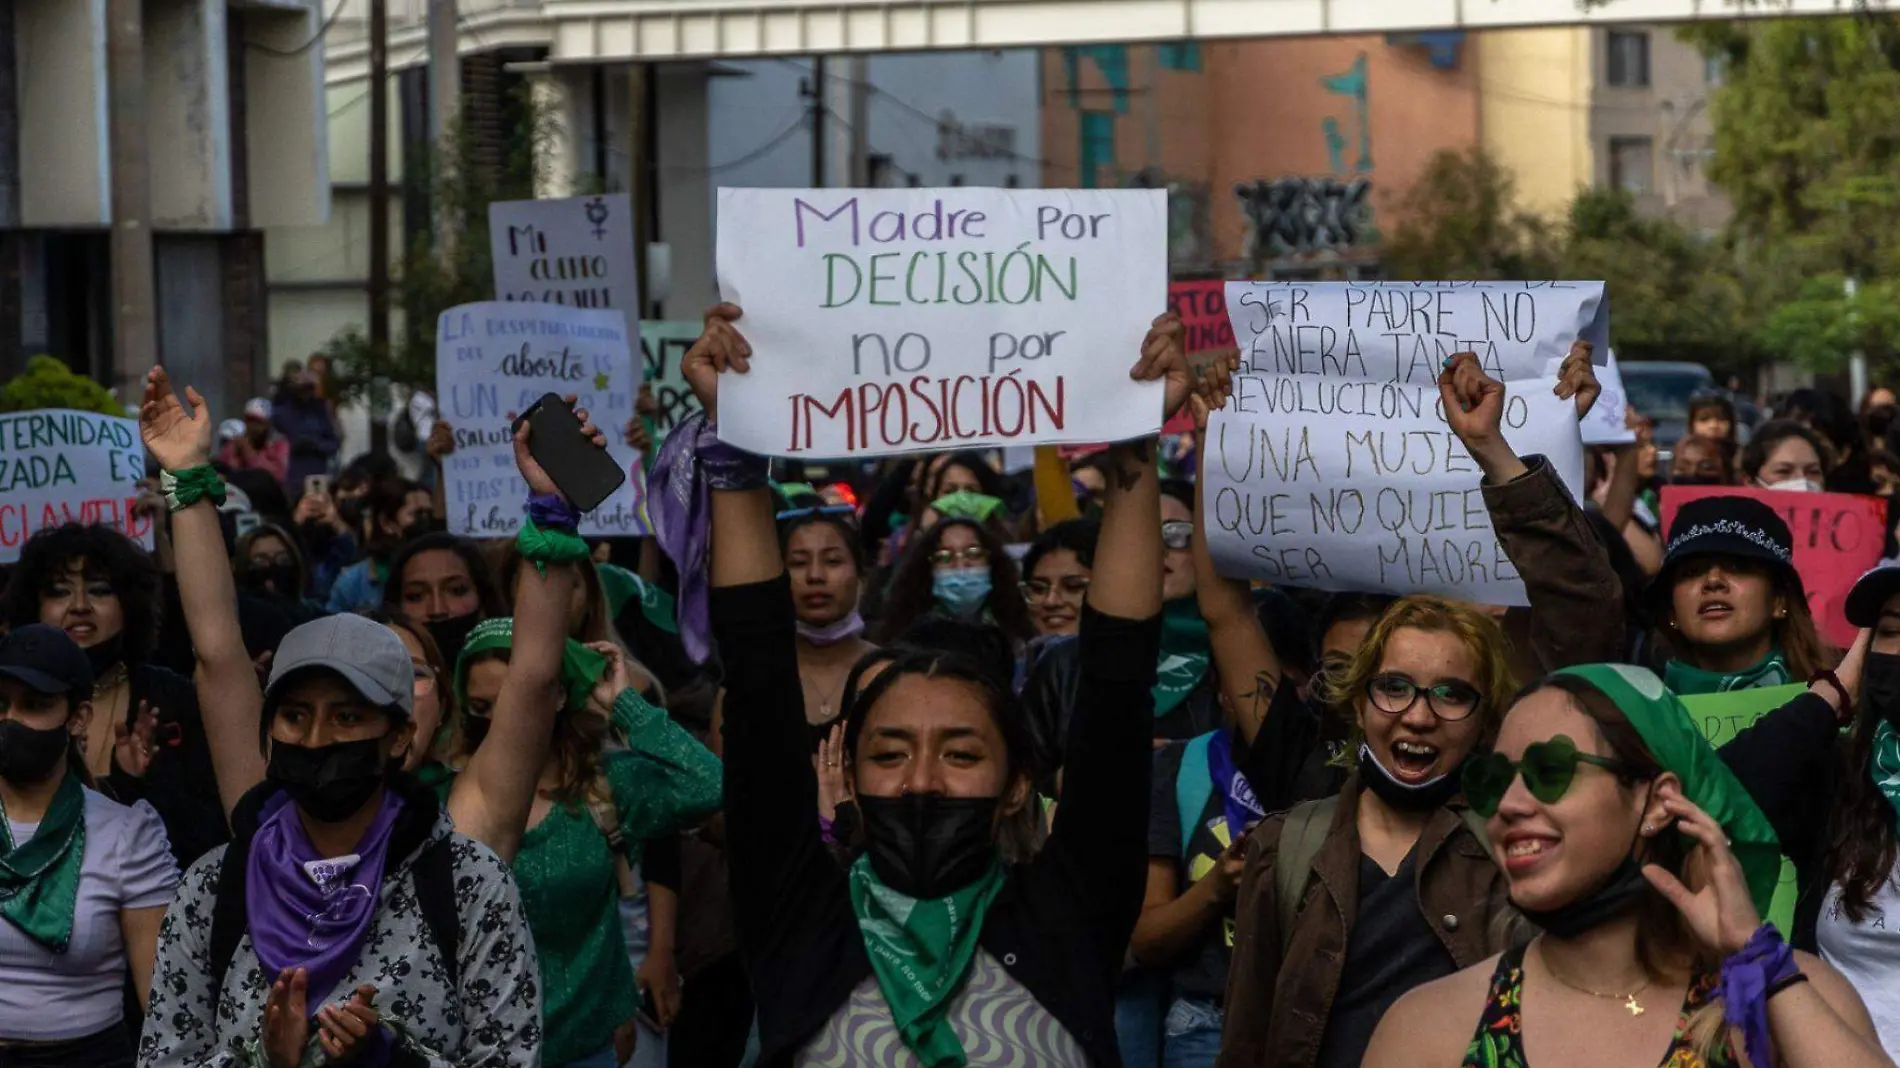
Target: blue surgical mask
x=961 y=590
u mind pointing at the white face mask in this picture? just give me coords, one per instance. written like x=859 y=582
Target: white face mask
x=1793 y=485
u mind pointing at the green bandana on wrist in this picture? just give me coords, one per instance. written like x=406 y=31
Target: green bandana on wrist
x=581 y=667
x=1185 y=654
x=1688 y=680
x=920 y=953
x=1665 y=726
x=39 y=878
x=543 y=547
x=182 y=489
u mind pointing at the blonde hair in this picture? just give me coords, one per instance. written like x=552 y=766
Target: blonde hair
x=1478 y=632
x=596 y=623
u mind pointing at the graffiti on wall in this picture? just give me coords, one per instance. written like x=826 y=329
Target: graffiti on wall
x=1351 y=83
x=1300 y=216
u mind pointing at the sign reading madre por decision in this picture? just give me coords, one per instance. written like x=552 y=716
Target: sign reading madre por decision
x=900 y=320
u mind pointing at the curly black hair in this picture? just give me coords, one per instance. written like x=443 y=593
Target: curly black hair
x=108 y=555
x=911 y=597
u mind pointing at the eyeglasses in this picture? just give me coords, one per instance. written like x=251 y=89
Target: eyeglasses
x=1547 y=767
x=839 y=510
x=1069 y=589
x=425 y=679
x=1177 y=533
x=970 y=557
x=1396 y=694
x=274 y=560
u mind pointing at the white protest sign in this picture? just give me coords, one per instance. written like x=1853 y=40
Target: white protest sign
x=492 y=362
x=662 y=346
x=577 y=251
x=1604 y=425
x=60 y=466
x=887 y=321
x=1333 y=467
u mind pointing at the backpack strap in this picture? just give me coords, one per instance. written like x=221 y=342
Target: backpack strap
x=228 y=919
x=600 y=805
x=1192 y=786
x=434 y=873
x=1307 y=825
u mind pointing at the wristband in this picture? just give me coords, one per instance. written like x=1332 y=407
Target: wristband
x=1762 y=965
x=1827 y=675
x=185 y=488
x=728 y=467
x=827 y=830
x=543 y=547
x=1785 y=982
x=553 y=512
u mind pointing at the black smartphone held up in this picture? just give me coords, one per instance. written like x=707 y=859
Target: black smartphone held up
x=585 y=474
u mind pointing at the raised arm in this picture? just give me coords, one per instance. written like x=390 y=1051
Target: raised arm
x=228 y=692
x=1244 y=659
x=491 y=798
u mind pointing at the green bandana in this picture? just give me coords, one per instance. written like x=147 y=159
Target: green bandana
x=965 y=504
x=791 y=491
x=920 y=953
x=39 y=878
x=624 y=587
x=581 y=667
x=1688 y=680
x=1664 y=724
x=1885 y=765
x=1184 y=654
x=552 y=546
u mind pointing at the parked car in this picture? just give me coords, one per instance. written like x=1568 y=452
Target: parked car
x=1660 y=391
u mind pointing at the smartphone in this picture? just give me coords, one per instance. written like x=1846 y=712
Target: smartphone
x=316 y=485
x=584 y=473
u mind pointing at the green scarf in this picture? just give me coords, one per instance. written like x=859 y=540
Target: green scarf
x=623 y=586
x=1689 y=680
x=1885 y=765
x=967 y=504
x=581 y=667
x=1184 y=654
x=920 y=953
x=39 y=878
x=1658 y=715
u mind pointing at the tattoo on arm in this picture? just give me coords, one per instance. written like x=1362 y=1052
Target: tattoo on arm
x=1129 y=460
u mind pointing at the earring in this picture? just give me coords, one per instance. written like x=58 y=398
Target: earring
x=1648 y=830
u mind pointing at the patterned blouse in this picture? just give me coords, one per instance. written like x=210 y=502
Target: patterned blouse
x=1499 y=1042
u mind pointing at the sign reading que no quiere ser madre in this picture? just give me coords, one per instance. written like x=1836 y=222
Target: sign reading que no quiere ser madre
x=896 y=320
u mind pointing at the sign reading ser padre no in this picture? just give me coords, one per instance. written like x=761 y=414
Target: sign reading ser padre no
x=899 y=320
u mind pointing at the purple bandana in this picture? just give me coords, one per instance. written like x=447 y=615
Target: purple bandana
x=692 y=463
x=1746 y=979
x=308 y=911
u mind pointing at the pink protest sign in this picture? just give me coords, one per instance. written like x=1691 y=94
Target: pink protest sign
x=1202 y=306
x=1837 y=537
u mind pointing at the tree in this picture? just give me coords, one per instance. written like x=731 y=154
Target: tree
x=48 y=383
x=1460 y=221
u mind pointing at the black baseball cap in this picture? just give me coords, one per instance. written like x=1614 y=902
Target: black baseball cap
x=46 y=659
x=1740 y=527
x=1871 y=593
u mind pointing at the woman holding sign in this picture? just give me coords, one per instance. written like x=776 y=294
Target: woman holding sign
x=1644 y=863
x=940 y=945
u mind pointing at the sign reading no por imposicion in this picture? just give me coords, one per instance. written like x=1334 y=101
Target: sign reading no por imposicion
x=897 y=320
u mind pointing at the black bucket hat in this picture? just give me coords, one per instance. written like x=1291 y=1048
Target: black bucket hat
x=1871 y=593
x=1741 y=527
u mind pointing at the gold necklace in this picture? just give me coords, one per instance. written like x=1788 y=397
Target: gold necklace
x=113 y=676
x=1629 y=1001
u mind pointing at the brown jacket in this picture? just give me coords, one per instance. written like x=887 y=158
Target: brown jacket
x=1277 y=1016
x=1576 y=612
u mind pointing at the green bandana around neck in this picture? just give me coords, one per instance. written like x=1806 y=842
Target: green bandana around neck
x=920 y=953
x=966 y=504
x=1884 y=766
x=1665 y=726
x=39 y=878
x=1684 y=678
x=581 y=667
x=623 y=587
x=1185 y=654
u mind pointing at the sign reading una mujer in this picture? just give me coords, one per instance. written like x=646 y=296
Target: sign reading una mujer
x=59 y=466
x=492 y=362
x=896 y=320
x=1333 y=466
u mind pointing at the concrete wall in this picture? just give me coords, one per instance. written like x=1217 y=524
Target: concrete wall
x=188 y=115
x=1536 y=112
x=682 y=93
x=288 y=147
x=1672 y=112
x=61 y=59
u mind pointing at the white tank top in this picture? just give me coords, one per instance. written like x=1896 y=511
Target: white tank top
x=1867 y=954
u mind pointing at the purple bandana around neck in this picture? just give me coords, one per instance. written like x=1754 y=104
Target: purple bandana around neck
x=841 y=630
x=692 y=463
x=307 y=911
x=1238 y=803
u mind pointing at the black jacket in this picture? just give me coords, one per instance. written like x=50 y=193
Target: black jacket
x=1061 y=923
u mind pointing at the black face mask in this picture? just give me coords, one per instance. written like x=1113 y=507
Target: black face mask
x=274 y=581
x=332 y=782
x=1620 y=892
x=1880 y=686
x=1405 y=797
x=421 y=527
x=106 y=655
x=450 y=634
x=928 y=845
x=26 y=755
x=474 y=729
x=351 y=512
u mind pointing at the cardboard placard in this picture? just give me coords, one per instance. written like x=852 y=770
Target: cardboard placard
x=887 y=321
x=1202 y=306
x=493 y=360
x=576 y=251
x=1837 y=537
x=61 y=466
x=1605 y=424
x=662 y=344
x=1333 y=466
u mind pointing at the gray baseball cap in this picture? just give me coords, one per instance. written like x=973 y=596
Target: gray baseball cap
x=368 y=655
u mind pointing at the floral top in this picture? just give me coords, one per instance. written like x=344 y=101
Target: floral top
x=1499 y=1042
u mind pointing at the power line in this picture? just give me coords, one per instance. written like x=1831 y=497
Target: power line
x=292 y=53
x=783 y=136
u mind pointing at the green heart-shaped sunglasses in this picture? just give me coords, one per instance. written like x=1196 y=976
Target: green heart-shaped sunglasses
x=1547 y=767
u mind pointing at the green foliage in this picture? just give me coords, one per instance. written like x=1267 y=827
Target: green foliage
x=1461 y=222
x=48 y=383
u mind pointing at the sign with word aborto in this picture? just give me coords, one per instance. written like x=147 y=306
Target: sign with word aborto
x=1333 y=465
x=492 y=362
x=577 y=251
x=662 y=346
x=59 y=466
x=897 y=320
x=1837 y=537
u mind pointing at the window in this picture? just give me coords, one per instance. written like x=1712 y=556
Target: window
x=1715 y=69
x=1629 y=59
x=1631 y=164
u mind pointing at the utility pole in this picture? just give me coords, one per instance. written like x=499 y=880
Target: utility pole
x=445 y=108
x=378 y=224
x=859 y=91
x=134 y=298
x=641 y=180
x=819 y=149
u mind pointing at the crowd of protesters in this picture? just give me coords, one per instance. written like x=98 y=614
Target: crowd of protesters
x=921 y=764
